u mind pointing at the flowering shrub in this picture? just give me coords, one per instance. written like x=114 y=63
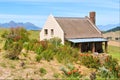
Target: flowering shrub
x=71 y=72
x=109 y=68
x=112 y=65
x=104 y=73
x=14 y=41
x=90 y=61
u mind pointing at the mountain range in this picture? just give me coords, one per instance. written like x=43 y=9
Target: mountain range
x=27 y=25
x=30 y=26
x=107 y=27
x=114 y=29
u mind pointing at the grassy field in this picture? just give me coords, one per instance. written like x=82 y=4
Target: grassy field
x=2 y=30
x=34 y=34
x=114 y=51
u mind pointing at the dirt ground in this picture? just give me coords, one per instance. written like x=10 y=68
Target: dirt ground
x=114 y=43
x=11 y=69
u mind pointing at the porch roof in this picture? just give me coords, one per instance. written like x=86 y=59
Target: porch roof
x=82 y=40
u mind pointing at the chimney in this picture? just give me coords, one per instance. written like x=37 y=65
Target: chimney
x=92 y=16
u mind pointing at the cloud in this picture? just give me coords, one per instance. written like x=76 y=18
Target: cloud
x=41 y=1
x=59 y=1
x=95 y=3
x=20 y=16
x=78 y=8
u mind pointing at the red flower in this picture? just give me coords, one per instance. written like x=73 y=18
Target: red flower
x=74 y=71
x=69 y=73
x=81 y=55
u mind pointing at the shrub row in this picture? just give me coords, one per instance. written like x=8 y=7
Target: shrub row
x=107 y=69
x=48 y=50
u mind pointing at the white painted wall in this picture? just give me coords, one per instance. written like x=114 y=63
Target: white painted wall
x=51 y=23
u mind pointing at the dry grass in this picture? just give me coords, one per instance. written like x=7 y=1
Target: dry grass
x=114 y=35
x=114 y=43
x=12 y=69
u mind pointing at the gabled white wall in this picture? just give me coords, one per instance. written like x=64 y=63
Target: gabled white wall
x=51 y=23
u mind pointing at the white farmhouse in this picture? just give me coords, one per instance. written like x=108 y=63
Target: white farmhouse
x=81 y=32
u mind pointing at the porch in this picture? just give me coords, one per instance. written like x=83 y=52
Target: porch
x=90 y=44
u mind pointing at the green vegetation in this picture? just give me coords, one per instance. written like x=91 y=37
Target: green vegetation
x=14 y=40
x=114 y=51
x=90 y=61
x=43 y=71
x=34 y=34
x=2 y=30
x=107 y=65
x=71 y=72
x=56 y=75
x=48 y=50
x=18 y=43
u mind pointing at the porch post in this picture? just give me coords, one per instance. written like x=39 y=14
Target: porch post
x=93 y=47
x=80 y=46
x=106 y=45
x=72 y=44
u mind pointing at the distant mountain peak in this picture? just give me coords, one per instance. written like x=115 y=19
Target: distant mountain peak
x=107 y=27
x=27 y=25
x=11 y=21
x=114 y=29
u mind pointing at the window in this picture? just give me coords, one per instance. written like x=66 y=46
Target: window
x=52 y=32
x=45 y=31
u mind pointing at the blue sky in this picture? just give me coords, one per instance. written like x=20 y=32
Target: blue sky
x=37 y=11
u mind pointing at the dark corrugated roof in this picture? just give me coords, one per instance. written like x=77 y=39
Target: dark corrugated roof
x=78 y=27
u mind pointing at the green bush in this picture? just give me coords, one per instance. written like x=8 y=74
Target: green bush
x=63 y=53
x=38 y=58
x=55 y=41
x=90 y=61
x=15 y=38
x=39 y=49
x=43 y=71
x=56 y=75
x=112 y=65
x=109 y=69
x=67 y=54
x=104 y=73
x=71 y=72
x=14 y=50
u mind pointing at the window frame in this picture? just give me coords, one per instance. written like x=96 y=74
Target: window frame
x=52 y=32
